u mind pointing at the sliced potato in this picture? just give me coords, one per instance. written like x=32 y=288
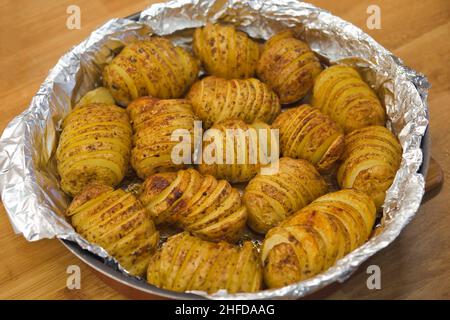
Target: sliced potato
x=208 y=208
x=99 y=95
x=187 y=263
x=94 y=145
x=313 y=239
x=116 y=221
x=308 y=134
x=288 y=66
x=272 y=198
x=225 y=52
x=340 y=92
x=152 y=67
x=232 y=150
x=216 y=99
x=154 y=122
x=371 y=159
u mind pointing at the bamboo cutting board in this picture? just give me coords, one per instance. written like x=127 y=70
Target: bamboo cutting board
x=33 y=35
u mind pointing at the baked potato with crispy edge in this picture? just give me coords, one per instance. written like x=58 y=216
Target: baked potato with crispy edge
x=153 y=67
x=216 y=99
x=188 y=263
x=154 y=121
x=94 y=146
x=340 y=92
x=308 y=134
x=244 y=150
x=225 y=52
x=116 y=221
x=272 y=198
x=208 y=208
x=313 y=239
x=370 y=162
x=288 y=66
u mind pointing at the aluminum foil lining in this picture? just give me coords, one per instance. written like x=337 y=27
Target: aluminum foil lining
x=28 y=179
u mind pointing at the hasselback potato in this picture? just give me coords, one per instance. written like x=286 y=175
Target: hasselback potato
x=225 y=52
x=237 y=156
x=152 y=67
x=271 y=198
x=308 y=134
x=314 y=238
x=208 y=208
x=215 y=99
x=154 y=121
x=371 y=159
x=187 y=263
x=340 y=92
x=288 y=66
x=94 y=146
x=116 y=221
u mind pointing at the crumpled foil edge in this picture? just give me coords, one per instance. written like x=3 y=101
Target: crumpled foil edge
x=28 y=180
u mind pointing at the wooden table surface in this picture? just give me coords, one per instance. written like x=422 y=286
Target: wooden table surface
x=33 y=35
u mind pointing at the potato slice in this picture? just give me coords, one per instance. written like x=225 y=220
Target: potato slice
x=116 y=221
x=313 y=239
x=187 y=263
x=308 y=134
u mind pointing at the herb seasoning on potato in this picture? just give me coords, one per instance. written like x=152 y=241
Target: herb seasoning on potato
x=210 y=209
x=216 y=99
x=308 y=134
x=272 y=198
x=152 y=67
x=116 y=221
x=288 y=66
x=371 y=159
x=340 y=92
x=226 y=52
x=188 y=263
x=94 y=145
x=314 y=238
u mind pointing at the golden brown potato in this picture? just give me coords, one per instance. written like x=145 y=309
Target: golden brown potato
x=154 y=122
x=288 y=66
x=308 y=134
x=216 y=99
x=116 y=221
x=153 y=67
x=99 y=95
x=236 y=157
x=94 y=146
x=271 y=198
x=371 y=159
x=226 y=52
x=187 y=263
x=314 y=238
x=340 y=92
x=210 y=209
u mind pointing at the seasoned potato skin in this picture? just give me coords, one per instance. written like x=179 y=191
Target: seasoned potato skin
x=313 y=239
x=94 y=146
x=340 y=92
x=208 y=208
x=241 y=170
x=225 y=52
x=308 y=134
x=216 y=99
x=116 y=221
x=272 y=198
x=188 y=263
x=288 y=66
x=153 y=67
x=371 y=159
x=154 y=121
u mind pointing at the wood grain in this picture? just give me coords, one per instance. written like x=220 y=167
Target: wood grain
x=33 y=35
